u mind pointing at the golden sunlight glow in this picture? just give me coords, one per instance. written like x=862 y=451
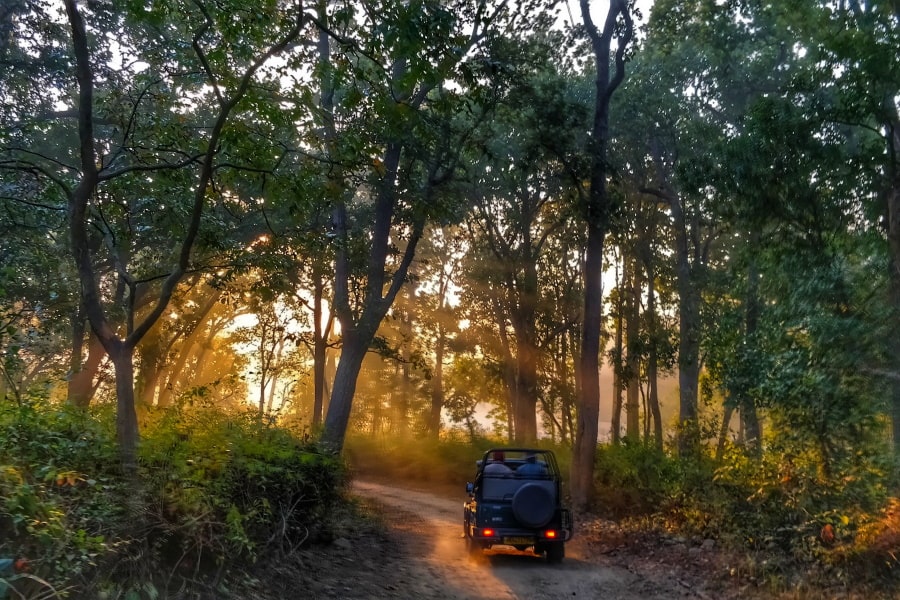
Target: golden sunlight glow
x=262 y=239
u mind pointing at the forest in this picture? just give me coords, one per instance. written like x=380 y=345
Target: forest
x=246 y=247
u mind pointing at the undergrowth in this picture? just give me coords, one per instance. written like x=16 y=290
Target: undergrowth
x=792 y=523
x=216 y=490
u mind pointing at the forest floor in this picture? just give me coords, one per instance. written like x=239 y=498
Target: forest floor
x=411 y=546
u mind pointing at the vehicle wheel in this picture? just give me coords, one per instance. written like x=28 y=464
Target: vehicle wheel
x=533 y=505
x=556 y=551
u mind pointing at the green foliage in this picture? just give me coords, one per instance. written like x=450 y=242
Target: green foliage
x=230 y=485
x=58 y=480
x=634 y=478
x=780 y=508
x=216 y=489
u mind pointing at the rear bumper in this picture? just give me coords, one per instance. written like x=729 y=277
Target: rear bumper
x=559 y=529
x=518 y=537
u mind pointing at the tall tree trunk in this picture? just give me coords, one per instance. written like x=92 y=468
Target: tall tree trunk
x=688 y=348
x=404 y=391
x=749 y=417
x=527 y=352
x=509 y=373
x=326 y=102
x=892 y=221
x=597 y=217
x=652 y=360
x=359 y=332
x=437 y=385
x=688 y=311
x=633 y=359
x=526 y=391
x=893 y=209
x=76 y=360
x=319 y=346
x=618 y=363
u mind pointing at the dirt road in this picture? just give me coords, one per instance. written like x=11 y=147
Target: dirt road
x=435 y=565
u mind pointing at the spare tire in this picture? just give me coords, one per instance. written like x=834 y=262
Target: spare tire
x=533 y=505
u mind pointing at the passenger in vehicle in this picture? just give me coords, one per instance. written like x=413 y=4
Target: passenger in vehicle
x=496 y=466
x=532 y=467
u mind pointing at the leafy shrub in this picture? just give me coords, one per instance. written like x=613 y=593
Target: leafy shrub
x=228 y=486
x=215 y=489
x=633 y=479
x=58 y=482
x=786 y=512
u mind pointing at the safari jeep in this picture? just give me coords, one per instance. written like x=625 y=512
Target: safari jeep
x=516 y=500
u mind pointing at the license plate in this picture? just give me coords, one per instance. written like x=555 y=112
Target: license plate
x=519 y=541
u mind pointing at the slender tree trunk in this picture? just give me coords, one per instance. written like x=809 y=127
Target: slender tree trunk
x=328 y=383
x=892 y=220
x=652 y=360
x=437 y=385
x=633 y=360
x=526 y=391
x=894 y=242
x=76 y=360
x=407 y=325
x=527 y=352
x=326 y=102
x=319 y=347
x=597 y=218
x=688 y=363
x=509 y=374
x=686 y=229
x=749 y=417
x=645 y=414
x=618 y=356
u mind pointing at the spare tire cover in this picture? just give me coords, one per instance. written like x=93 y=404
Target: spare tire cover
x=533 y=505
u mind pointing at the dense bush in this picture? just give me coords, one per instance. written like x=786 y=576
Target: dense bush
x=782 y=509
x=227 y=485
x=215 y=489
x=62 y=498
x=632 y=479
